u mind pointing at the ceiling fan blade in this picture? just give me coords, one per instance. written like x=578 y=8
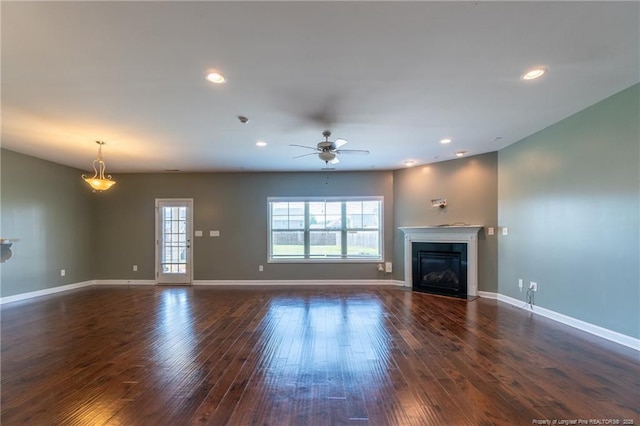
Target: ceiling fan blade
x=306 y=155
x=352 y=151
x=335 y=161
x=339 y=142
x=304 y=146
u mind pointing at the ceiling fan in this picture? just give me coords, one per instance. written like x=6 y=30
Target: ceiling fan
x=328 y=151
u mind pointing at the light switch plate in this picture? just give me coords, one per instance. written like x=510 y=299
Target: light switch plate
x=491 y=231
x=214 y=233
x=505 y=230
x=198 y=233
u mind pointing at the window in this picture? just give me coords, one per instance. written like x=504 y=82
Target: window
x=316 y=229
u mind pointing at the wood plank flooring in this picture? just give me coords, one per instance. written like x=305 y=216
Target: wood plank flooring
x=302 y=356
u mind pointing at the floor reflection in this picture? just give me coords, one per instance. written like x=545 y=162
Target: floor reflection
x=175 y=329
x=325 y=342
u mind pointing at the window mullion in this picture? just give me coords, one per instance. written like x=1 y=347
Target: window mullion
x=307 y=237
x=343 y=222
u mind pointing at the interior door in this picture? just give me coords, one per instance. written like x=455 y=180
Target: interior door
x=173 y=241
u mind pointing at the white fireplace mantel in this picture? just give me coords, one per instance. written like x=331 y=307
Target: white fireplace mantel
x=444 y=234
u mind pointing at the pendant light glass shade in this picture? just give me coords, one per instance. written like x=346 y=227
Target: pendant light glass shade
x=98 y=181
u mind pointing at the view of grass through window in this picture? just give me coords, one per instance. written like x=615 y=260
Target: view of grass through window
x=325 y=229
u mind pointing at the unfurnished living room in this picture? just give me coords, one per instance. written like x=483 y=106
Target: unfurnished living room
x=320 y=213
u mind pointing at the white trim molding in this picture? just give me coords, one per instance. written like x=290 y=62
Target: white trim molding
x=297 y=282
x=124 y=282
x=488 y=295
x=44 y=292
x=68 y=287
x=605 y=333
x=444 y=234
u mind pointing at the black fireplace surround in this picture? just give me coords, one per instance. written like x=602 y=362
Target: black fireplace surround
x=440 y=268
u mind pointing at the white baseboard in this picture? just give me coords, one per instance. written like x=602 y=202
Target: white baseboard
x=124 y=282
x=53 y=290
x=296 y=282
x=596 y=330
x=487 y=295
x=45 y=292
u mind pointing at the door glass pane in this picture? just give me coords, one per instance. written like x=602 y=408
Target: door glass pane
x=174 y=240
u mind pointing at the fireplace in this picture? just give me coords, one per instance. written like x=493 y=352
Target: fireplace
x=450 y=251
x=440 y=268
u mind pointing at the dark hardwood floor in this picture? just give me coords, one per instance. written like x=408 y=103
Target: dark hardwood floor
x=302 y=356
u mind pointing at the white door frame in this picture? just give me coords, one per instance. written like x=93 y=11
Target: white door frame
x=174 y=278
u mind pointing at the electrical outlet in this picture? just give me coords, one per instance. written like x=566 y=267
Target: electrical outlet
x=505 y=230
x=520 y=284
x=260 y=268
x=63 y=272
x=388 y=268
x=533 y=286
x=491 y=231
x=135 y=268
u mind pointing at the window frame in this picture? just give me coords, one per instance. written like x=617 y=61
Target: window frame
x=344 y=230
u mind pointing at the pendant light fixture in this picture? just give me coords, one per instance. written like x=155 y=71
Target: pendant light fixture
x=98 y=182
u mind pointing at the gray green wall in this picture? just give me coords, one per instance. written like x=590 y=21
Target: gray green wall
x=236 y=205
x=470 y=186
x=570 y=197
x=46 y=207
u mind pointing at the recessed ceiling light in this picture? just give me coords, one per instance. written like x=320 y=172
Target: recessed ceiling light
x=409 y=163
x=445 y=140
x=534 y=73
x=460 y=153
x=261 y=143
x=215 y=77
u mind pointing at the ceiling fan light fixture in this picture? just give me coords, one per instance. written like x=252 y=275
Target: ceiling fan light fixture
x=327 y=156
x=328 y=151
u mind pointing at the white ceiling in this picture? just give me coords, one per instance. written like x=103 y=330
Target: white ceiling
x=390 y=77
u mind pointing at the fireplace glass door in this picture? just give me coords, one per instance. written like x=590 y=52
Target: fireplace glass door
x=440 y=268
